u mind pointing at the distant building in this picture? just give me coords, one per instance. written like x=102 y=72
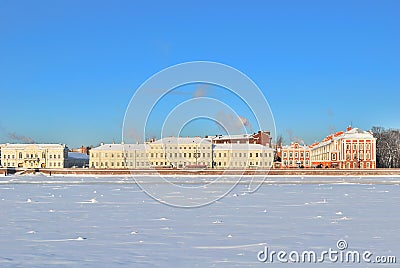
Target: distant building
x=34 y=155
x=82 y=150
x=78 y=160
x=295 y=156
x=352 y=149
x=261 y=137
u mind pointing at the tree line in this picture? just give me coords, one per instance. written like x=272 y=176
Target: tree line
x=387 y=147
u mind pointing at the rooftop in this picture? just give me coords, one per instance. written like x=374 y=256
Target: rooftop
x=181 y=140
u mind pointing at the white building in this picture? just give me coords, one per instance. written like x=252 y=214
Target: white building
x=350 y=149
x=34 y=155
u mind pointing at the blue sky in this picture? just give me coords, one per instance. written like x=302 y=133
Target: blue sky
x=69 y=68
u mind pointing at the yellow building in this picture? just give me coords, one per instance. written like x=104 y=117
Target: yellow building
x=117 y=156
x=179 y=152
x=242 y=156
x=34 y=155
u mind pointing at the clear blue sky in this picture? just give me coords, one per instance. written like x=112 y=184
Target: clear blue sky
x=69 y=68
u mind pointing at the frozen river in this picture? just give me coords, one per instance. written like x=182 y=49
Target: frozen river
x=111 y=222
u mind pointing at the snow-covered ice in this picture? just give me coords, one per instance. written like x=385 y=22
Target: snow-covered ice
x=110 y=222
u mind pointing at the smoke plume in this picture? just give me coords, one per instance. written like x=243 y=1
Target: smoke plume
x=20 y=138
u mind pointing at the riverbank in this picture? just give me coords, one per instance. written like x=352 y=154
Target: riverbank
x=274 y=172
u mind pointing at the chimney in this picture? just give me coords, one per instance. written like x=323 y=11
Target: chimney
x=348 y=128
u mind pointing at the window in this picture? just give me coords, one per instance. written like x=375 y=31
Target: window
x=284 y=155
x=251 y=154
x=296 y=155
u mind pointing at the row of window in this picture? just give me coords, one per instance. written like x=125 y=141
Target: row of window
x=180 y=148
x=147 y=164
x=14 y=164
x=12 y=156
x=360 y=157
x=189 y=155
x=244 y=164
x=296 y=155
x=360 y=146
x=291 y=163
x=358 y=165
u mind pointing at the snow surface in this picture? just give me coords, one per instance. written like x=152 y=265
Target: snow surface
x=111 y=222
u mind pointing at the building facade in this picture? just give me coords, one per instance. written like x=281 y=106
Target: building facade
x=180 y=152
x=34 y=156
x=242 y=156
x=117 y=156
x=295 y=156
x=352 y=149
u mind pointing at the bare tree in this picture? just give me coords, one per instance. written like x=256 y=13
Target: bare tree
x=278 y=147
x=387 y=147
